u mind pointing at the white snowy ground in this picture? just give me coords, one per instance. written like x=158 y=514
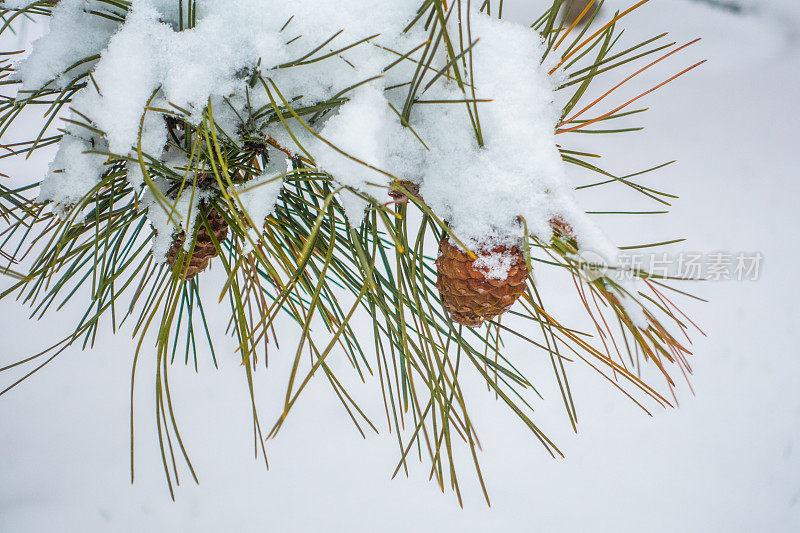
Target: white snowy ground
x=727 y=460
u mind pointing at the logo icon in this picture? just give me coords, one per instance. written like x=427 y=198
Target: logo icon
x=591 y=266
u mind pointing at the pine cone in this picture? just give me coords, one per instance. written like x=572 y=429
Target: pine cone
x=204 y=250
x=564 y=231
x=468 y=293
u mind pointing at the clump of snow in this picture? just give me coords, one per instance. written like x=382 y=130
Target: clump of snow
x=482 y=192
x=127 y=76
x=74 y=172
x=74 y=35
x=496 y=265
x=627 y=298
x=360 y=133
x=259 y=196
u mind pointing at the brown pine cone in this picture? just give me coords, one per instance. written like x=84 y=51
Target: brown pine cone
x=468 y=294
x=204 y=250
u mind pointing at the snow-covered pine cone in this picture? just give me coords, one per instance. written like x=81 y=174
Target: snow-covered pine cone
x=204 y=250
x=469 y=293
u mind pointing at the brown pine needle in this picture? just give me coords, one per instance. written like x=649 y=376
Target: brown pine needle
x=595 y=34
x=629 y=102
x=575 y=23
x=629 y=78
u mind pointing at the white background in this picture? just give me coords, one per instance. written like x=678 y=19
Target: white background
x=727 y=460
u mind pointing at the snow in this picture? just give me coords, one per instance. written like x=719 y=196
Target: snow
x=481 y=191
x=363 y=126
x=726 y=460
x=73 y=36
x=259 y=196
x=495 y=265
x=74 y=172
